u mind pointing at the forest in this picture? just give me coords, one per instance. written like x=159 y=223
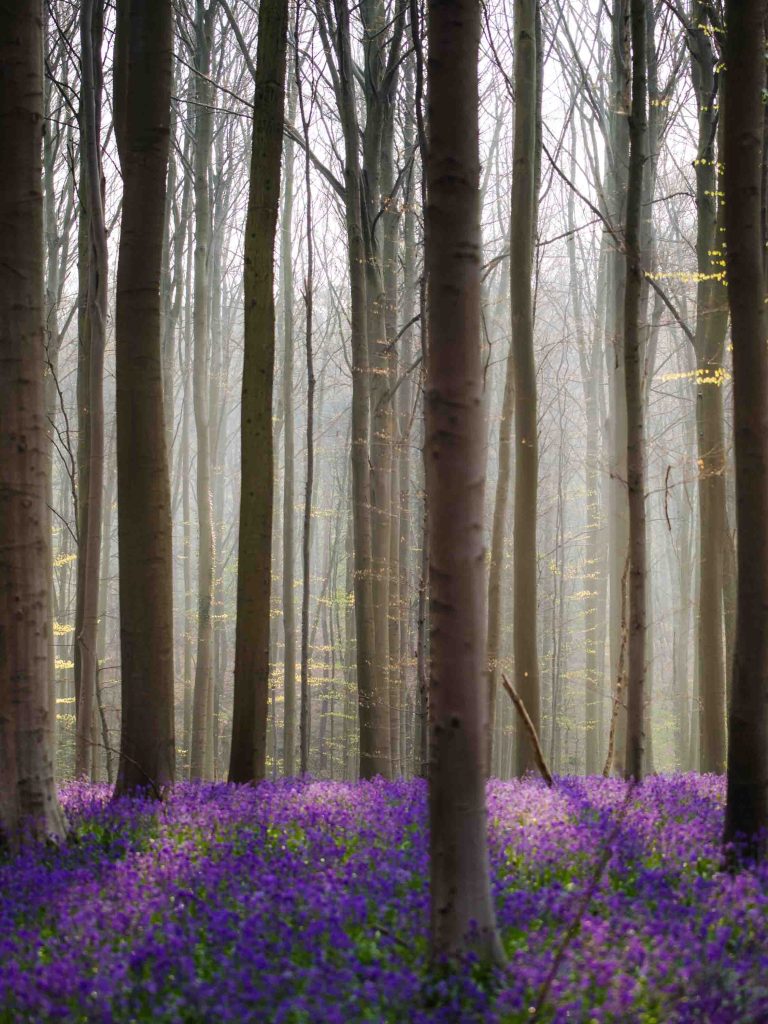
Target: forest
x=384 y=511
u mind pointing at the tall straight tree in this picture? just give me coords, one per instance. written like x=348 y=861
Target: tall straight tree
x=373 y=712
x=522 y=231
x=142 y=104
x=93 y=322
x=249 y=717
x=462 y=914
x=201 y=753
x=633 y=384
x=747 y=786
x=27 y=785
x=711 y=329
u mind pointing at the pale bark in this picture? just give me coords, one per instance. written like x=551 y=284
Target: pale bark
x=202 y=723
x=289 y=549
x=711 y=326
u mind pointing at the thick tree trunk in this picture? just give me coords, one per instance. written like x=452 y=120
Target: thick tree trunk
x=249 y=720
x=747 y=785
x=142 y=82
x=462 y=914
x=28 y=804
x=522 y=229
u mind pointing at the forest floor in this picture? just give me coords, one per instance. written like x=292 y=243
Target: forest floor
x=307 y=903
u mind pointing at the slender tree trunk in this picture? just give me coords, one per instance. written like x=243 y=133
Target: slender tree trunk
x=462 y=909
x=249 y=720
x=28 y=803
x=289 y=552
x=90 y=382
x=746 y=813
x=618 y=522
x=306 y=540
x=633 y=363
x=372 y=709
x=522 y=230
x=711 y=326
x=202 y=724
x=106 y=561
x=142 y=83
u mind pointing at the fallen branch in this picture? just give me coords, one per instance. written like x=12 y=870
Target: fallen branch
x=538 y=753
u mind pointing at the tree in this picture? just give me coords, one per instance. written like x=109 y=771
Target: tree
x=633 y=384
x=142 y=103
x=201 y=753
x=93 y=326
x=746 y=814
x=462 y=913
x=372 y=700
x=711 y=328
x=28 y=803
x=522 y=231
x=249 y=720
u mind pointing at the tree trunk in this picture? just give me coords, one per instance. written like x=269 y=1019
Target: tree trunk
x=306 y=539
x=202 y=724
x=633 y=384
x=142 y=83
x=711 y=327
x=462 y=914
x=289 y=547
x=372 y=709
x=522 y=229
x=249 y=719
x=28 y=804
x=746 y=813
x=90 y=382
x=618 y=525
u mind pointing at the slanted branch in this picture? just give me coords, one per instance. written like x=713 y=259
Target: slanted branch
x=538 y=753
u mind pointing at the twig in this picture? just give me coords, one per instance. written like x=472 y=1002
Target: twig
x=538 y=753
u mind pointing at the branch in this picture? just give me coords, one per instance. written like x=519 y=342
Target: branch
x=619 y=240
x=538 y=753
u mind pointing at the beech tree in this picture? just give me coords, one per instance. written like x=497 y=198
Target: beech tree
x=633 y=373
x=746 y=816
x=462 y=914
x=28 y=803
x=142 y=103
x=249 y=723
x=522 y=231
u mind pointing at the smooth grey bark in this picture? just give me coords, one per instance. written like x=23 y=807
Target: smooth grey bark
x=462 y=914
